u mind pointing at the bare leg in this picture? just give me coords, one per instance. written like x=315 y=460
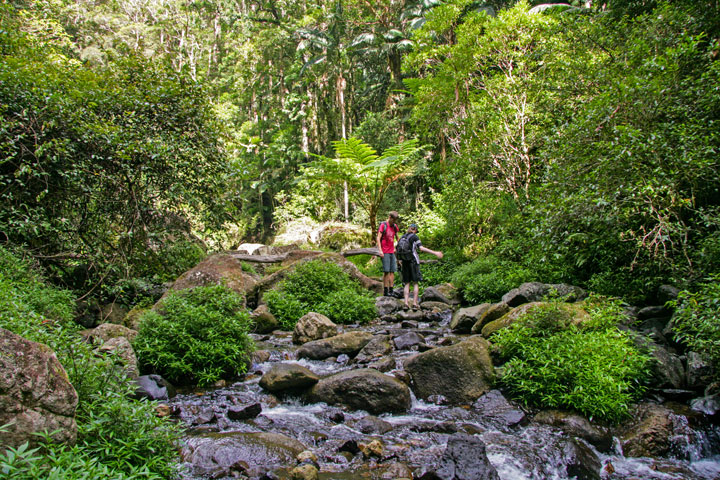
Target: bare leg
x=406 y=291
x=416 y=290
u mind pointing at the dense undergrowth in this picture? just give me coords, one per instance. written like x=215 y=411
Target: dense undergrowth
x=321 y=287
x=557 y=360
x=118 y=437
x=196 y=336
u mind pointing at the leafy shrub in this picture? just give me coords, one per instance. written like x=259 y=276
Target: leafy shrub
x=696 y=319
x=489 y=278
x=346 y=306
x=592 y=367
x=442 y=271
x=323 y=287
x=198 y=335
x=118 y=437
x=285 y=306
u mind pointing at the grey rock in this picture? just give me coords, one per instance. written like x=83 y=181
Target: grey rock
x=495 y=311
x=654 y=311
x=464 y=319
x=376 y=348
x=700 y=371
x=576 y=426
x=313 y=326
x=348 y=343
x=153 y=387
x=445 y=293
x=535 y=292
x=221 y=451
x=495 y=408
x=460 y=372
x=582 y=461
x=709 y=405
x=371 y=424
x=363 y=389
x=387 y=305
x=667 y=293
x=407 y=340
x=244 y=412
x=464 y=459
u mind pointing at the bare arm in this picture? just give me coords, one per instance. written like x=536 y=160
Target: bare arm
x=379 y=237
x=427 y=250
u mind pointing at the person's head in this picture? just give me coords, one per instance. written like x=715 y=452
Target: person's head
x=413 y=228
x=393 y=217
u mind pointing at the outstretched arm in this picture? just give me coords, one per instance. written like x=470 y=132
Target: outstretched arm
x=438 y=254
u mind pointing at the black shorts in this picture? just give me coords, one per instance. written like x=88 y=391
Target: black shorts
x=410 y=272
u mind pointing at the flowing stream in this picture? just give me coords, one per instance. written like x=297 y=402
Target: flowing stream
x=415 y=440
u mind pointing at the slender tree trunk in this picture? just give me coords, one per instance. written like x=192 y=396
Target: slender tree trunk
x=341 y=101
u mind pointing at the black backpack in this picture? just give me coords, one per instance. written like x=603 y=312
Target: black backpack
x=403 y=249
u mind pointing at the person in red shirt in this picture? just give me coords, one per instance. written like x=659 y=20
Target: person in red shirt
x=387 y=232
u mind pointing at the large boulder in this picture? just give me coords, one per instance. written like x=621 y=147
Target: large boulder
x=363 y=389
x=35 y=393
x=493 y=312
x=576 y=426
x=649 y=433
x=287 y=376
x=464 y=459
x=536 y=292
x=464 y=319
x=445 y=293
x=220 y=268
x=346 y=343
x=313 y=326
x=460 y=372
x=564 y=314
x=220 y=455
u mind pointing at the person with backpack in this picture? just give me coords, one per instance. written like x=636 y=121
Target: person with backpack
x=387 y=232
x=408 y=248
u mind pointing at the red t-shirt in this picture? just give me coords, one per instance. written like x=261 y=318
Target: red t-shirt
x=387 y=241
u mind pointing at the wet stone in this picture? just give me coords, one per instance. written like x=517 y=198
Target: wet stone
x=495 y=408
x=407 y=340
x=371 y=424
x=243 y=413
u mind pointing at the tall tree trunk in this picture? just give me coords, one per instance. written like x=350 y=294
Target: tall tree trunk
x=341 y=101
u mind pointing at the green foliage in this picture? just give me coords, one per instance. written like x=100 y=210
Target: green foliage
x=369 y=265
x=198 y=336
x=443 y=271
x=118 y=437
x=98 y=162
x=322 y=287
x=367 y=174
x=593 y=368
x=285 y=306
x=696 y=319
x=348 y=306
x=487 y=278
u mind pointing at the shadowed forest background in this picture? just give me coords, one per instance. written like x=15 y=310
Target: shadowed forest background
x=570 y=143
x=574 y=143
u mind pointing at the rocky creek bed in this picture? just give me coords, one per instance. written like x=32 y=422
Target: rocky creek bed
x=280 y=423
